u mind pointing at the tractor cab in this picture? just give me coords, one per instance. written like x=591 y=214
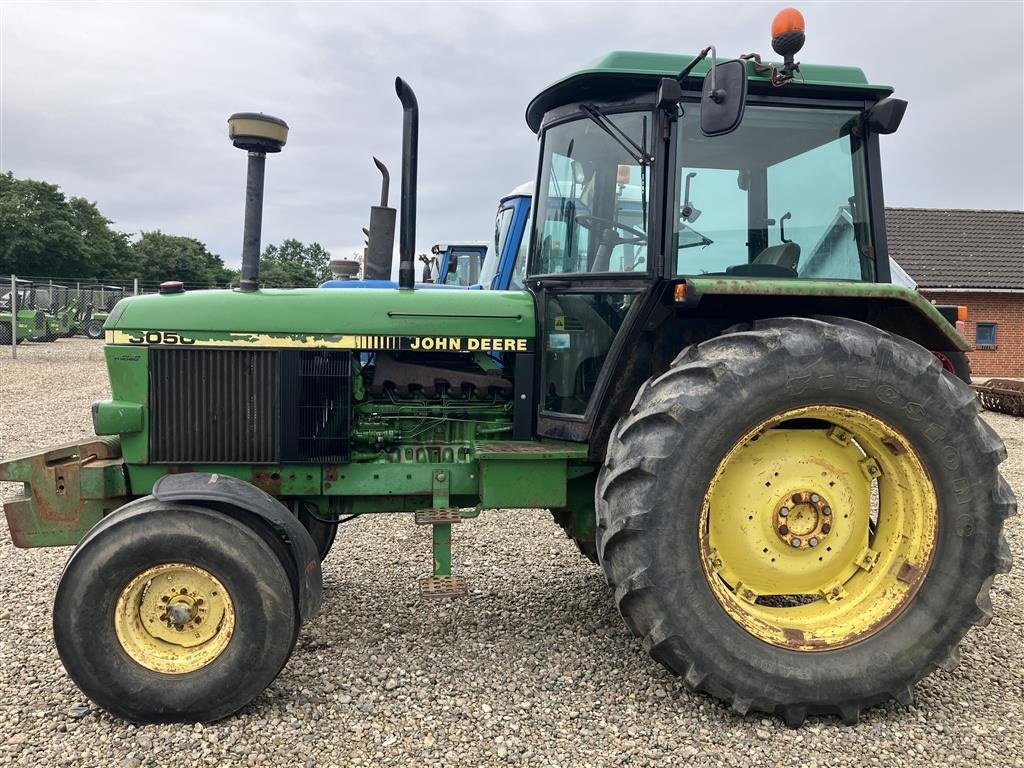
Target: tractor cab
x=745 y=176
x=456 y=264
x=508 y=267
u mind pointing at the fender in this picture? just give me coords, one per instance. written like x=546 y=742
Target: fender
x=307 y=578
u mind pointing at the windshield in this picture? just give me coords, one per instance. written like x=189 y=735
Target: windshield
x=464 y=267
x=593 y=217
x=785 y=195
x=501 y=227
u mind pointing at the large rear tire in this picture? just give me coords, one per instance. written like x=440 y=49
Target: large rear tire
x=323 y=534
x=803 y=517
x=173 y=613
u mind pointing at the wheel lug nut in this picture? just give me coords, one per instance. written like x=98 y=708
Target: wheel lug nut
x=784 y=512
x=826 y=511
x=815 y=498
x=812 y=542
x=795 y=542
x=826 y=528
x=783 y=530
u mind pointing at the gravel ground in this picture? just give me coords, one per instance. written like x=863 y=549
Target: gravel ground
x=534 y=668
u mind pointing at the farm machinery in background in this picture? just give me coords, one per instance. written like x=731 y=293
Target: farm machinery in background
x=797 y=509
x=101 y=300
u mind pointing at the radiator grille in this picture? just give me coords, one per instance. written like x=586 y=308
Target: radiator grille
x=214 y=406
x=316 y=394
x=232 y=406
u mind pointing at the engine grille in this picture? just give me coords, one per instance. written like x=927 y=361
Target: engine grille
x=232 y=406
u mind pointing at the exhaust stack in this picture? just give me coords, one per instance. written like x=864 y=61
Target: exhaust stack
x=259 y=135
x=410 y=141
x=380 y=244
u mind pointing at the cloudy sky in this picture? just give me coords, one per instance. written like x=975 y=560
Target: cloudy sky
x=125 y=104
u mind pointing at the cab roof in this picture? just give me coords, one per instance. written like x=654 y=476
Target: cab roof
x=621 y=73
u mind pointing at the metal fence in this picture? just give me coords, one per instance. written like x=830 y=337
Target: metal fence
x=40 y=308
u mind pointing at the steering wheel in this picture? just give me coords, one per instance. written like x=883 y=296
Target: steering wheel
x=604 y=226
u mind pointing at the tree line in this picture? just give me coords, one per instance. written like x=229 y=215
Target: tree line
x=45 y=232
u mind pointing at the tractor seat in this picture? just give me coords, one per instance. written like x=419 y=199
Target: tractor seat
x=783 y=255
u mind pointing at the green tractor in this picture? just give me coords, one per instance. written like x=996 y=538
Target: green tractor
x=62 y=307
x=102 y=299
x=30 y=323
x=722 y=398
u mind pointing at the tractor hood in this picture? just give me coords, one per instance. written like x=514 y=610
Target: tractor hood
x=364 y=319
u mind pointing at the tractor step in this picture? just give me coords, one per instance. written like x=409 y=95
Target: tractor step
x=438 y=516
x=443 y=586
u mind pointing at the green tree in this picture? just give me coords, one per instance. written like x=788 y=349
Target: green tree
x=160 y=257
x=42 y=232
x=292 y=264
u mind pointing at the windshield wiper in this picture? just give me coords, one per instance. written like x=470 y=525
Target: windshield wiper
x=638 y=153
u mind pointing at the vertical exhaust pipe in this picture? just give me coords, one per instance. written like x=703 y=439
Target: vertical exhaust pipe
x=257 y=134
x=410 y=142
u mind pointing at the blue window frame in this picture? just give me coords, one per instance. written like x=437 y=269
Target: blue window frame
x=985 y=334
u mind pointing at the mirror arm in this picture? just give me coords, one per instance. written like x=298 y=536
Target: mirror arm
x=696 y=60
x=782 y=226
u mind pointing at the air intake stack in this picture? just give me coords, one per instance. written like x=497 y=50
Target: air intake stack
x=259 y=135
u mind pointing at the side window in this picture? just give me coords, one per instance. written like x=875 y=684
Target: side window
x=816 y=216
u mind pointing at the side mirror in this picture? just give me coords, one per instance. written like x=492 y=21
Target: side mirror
x=886 y=115
x=724 y=98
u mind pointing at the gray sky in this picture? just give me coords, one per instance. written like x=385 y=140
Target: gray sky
x=126 y=104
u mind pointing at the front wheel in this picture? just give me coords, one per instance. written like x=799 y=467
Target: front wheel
x=803 y=517
x=94 y=329
x=172 y=612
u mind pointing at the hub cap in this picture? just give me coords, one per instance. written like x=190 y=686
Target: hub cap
x=819 y=527
x=174 y=618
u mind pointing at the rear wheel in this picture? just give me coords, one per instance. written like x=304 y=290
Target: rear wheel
x=836 y=530
x=94 y=329
x=323 y=534
x=173 y=613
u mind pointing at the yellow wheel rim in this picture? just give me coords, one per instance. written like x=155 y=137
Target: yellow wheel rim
x=818 y=528
x=174 y=618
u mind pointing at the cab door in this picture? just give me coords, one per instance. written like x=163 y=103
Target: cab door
x=592 y=264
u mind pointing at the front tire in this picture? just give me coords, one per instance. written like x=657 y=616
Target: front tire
x=173 y=613
x=94 y=329
x=758 y=441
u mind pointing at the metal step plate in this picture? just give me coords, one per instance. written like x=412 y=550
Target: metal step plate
x=438 y=515
x=443 y=586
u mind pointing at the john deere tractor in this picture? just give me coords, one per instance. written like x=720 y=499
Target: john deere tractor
x=708 y=377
